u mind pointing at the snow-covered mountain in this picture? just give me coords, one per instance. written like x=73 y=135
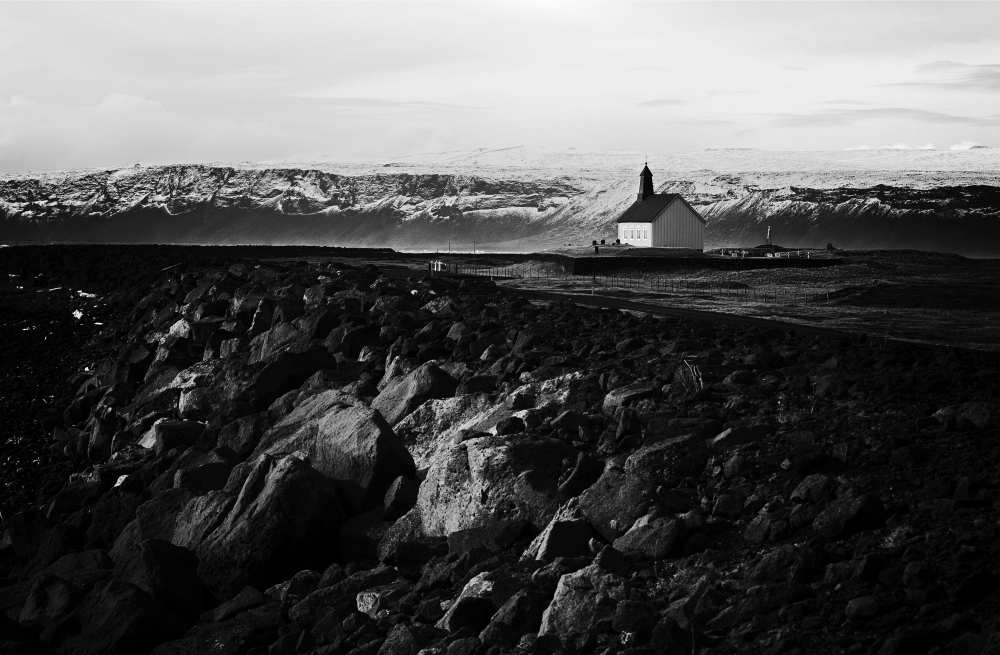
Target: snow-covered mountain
x=519 y=199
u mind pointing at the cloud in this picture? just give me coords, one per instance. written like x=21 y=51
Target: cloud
x=662 y=102
x=892 y=146
x=351 y=102
x=649 y=69
x=966 y=145
x=832 y=117
x=956 y=75
x=795 y=68
x=19 y=101
x=114 y=103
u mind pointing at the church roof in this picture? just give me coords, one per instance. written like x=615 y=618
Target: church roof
x=647 y=210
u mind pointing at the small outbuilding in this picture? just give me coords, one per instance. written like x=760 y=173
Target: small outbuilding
x=661 y=220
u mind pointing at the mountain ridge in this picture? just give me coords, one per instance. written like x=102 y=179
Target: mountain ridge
x=201 y=203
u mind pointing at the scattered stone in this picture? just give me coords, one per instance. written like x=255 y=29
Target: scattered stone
x=651 y=536
x=626 y=395
x=848 y=515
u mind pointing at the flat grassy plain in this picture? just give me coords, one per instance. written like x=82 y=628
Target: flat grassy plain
x=903 y=295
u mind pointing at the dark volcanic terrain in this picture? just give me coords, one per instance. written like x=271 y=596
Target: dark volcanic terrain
x=274 y=451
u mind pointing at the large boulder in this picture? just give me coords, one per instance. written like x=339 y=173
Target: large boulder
x=50 y=600
x=284 y=372
x=849 y=514
x=168 y=573
x=275 y=340
x=439 y=420
x=615 y=501
x=651 y=536
x=246 y=631
x=568 y=534
x=479 y=599
x=119 y=618
x=584 y=603
x=403 y=394
x=643 y=481
x=344 y=440
x=628 y=394
x=484 y=479
x=283 y=516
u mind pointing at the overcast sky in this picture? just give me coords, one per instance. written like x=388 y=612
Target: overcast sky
x=112 y=84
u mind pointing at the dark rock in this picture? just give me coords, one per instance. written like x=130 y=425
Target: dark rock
x=492 y=537
x=400 y=497
x=247 y=598
x=614 y=502
x=510 y=425
x=738 y=436
x=404 y=394
x=481 y=480
x=519 y=615
x=207 y=475
x=860 y=608
x=301 y=585
x=634 y=617
x=341 y=595
x=463 y=646
x=381 y=598
x=470 y=612
x=195 y=404
x=168 y=434
x=81 y=569
x=50 y=600
x=345 y=441
x=399 y=641
x=850 y=514
x=586 y=472
x=109 y=516
x=241 y=435
x=976 y=414
x=568 y=534
x=815 y=488
x=285 y=515
x=243 y=633
x=652 y=536
x=583 y=606
x=168 y=574
x=477 y=384
x=285 y=372
x=119 y=618
x=626 y=395
x=479 y=599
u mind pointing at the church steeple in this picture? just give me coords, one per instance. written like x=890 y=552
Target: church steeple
x=645 y=183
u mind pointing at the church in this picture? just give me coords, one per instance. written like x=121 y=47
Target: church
x=660 y=220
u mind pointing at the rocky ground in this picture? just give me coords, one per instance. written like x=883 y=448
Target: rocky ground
x=293 y=457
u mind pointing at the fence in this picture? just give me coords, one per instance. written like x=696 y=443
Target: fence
x=651 y=283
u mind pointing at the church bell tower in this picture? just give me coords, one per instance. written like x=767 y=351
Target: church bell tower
x=645 y=183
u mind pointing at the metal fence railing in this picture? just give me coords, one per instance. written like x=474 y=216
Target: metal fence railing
x=651 y=283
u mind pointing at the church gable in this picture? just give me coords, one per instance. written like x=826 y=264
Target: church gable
x=660 y=220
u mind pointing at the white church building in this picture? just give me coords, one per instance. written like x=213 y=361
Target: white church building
x=660 y=220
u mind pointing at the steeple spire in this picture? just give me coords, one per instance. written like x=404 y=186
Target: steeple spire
x=645 y=183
